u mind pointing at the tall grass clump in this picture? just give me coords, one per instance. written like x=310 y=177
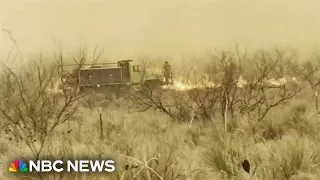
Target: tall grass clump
x=292 y=156
x=225 y=153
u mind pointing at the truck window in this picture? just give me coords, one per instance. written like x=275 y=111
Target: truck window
x=136 y=68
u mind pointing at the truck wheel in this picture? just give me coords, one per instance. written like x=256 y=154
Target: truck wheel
x=153 y=83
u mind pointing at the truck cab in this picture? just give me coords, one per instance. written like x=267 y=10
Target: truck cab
x=138 y=74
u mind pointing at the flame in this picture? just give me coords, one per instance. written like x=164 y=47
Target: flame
x=180 y=85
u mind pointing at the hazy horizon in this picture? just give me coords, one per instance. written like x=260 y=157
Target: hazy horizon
x=128 y=29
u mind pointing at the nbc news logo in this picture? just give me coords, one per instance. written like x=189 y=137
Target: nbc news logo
x=60 y=166
x=18 y=166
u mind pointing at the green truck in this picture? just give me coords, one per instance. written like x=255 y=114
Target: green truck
x=124 y=73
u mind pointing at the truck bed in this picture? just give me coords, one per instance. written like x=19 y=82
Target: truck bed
x=101 y=76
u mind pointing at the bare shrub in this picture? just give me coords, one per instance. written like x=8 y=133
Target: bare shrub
x=256 y=96
x=232 y=84
x=310 y=73
x=33 y=112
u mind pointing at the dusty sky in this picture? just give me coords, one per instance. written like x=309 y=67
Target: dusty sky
x=131 y=28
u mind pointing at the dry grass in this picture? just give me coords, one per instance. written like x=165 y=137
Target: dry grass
x=197 y=153
x=284 y=145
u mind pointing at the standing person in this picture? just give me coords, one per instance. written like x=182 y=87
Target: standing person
x=167 y=72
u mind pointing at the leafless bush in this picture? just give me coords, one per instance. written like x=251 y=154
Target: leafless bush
x=150 y=96
x=311 y=74
x=30 y=109
x=235 y=84
x=256 y=96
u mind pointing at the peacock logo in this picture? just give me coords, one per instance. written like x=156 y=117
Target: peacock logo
x=18 y=166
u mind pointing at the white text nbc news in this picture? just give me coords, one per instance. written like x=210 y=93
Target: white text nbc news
x=72 y=166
